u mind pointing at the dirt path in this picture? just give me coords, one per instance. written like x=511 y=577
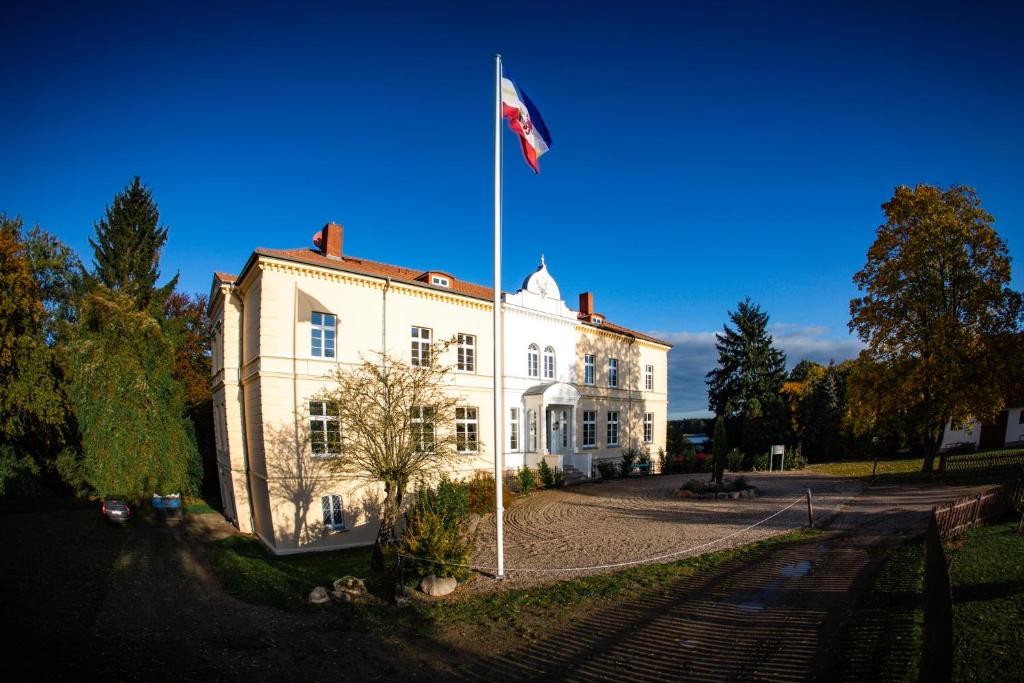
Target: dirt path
x=633 y=519
x=774 y=619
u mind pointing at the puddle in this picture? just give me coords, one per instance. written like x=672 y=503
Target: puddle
x=801 y=568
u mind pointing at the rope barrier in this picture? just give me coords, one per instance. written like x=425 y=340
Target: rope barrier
x=613 y=565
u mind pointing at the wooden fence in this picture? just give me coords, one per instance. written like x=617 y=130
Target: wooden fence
x=984 y=461
x=946 y=521
x=966 y=513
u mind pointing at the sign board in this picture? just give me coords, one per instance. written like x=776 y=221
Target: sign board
x=780 y=451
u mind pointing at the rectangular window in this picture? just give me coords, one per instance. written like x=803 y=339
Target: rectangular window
x=613 y=372
x=466 y=430
x=613 y=428
x=420 y=346
x=531 y=430
x=649 y=378
x=513 y=429
x=334 y=516
x=324 y=429
x=438 y=280
x=322 y=334
x=588 y=369
x=467 y=353
x=648 y=427
x=589 y=428
x=422 y=418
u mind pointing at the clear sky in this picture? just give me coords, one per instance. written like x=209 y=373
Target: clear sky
x=702 y=152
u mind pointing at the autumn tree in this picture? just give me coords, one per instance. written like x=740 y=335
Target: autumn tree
x=35 y=424
x=746 y=387
x=936 y=312
x=398 y=425
x=127 y=247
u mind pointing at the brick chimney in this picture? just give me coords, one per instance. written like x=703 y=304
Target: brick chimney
x=587 y=303
x=331 y=239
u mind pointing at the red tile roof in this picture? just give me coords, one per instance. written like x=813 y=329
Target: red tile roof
x=225 y=277
x=409 y=276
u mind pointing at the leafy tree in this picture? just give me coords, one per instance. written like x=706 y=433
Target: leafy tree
x=127 y=247
x=936 y=313
x=719 y=450
x=33 y=411
x=398 y=425
x=746 y=386
x=136 y=439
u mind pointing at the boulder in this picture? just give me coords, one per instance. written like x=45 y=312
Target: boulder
x=319 y=596
x=735 y=495
x=348 y=589
x=438 y=585
x=723 y=496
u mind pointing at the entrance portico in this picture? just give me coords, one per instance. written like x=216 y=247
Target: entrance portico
x=551 y=416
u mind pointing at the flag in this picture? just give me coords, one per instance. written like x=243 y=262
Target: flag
x=525 y=121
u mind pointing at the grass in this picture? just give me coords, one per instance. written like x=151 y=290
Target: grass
x=883 y=636
x=198 y=506
x=987 y=574
x=56 y=567
x=907 y=469
x=251 y=574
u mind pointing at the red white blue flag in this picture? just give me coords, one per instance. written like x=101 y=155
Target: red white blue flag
x=524 y=119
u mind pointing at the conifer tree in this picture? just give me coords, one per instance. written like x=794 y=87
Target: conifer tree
x=719 y=449
x=127 y=247
x=746 y=386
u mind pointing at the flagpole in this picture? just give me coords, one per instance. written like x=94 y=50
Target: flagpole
x=499 y=415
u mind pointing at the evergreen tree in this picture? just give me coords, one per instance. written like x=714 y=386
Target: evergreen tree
x=719 y=449
x=746 y=387
x=127 y=247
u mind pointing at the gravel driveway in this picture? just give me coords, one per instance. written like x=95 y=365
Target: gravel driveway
x=640 y=519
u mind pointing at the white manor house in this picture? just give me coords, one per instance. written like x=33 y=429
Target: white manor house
x=578 y=388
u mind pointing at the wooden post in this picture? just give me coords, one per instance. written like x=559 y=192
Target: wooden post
x=810 y=510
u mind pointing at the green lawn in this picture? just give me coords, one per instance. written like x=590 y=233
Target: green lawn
x=882 y=639
x=987 y=573
x=251 y=574
x=198 y=506
x=863 y=468
x=56 y=566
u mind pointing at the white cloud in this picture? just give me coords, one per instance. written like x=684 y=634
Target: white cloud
x=693 y=354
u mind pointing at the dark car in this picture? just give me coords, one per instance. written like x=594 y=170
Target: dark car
x=116 y=510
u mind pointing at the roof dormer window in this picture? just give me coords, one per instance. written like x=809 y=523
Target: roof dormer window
x=596 y=319
x=440 y=280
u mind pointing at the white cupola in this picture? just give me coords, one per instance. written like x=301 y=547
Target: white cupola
x=541 y=283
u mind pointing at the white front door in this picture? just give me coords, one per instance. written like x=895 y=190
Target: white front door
x=558 y=431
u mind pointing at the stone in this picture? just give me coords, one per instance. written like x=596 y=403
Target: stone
x=319 y=596
x=735 y=495
x=723 y=496
x=350 y=583
x=437 y=586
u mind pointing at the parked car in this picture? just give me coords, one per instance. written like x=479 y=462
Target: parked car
x=167 y=507
x=116 y=510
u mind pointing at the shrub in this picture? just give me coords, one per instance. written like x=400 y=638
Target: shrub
x=607 y=469
x=480 y=493
x=663 y=461
x=558 y=478
x=526 y=479
x=628 y=457
x=761 y=462
x=547 y=477
x=736 y=461
x=795 y=461
x=436 y=530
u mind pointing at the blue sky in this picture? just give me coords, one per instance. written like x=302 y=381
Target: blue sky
x=701 y=154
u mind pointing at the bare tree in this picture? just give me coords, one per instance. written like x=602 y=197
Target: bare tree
x=398 y=423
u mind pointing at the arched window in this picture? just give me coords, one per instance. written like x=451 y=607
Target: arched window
x=549 y=363
x=533 y=361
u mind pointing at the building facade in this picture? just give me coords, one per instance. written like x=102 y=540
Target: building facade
x=577 y=388
x=1006 y=430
